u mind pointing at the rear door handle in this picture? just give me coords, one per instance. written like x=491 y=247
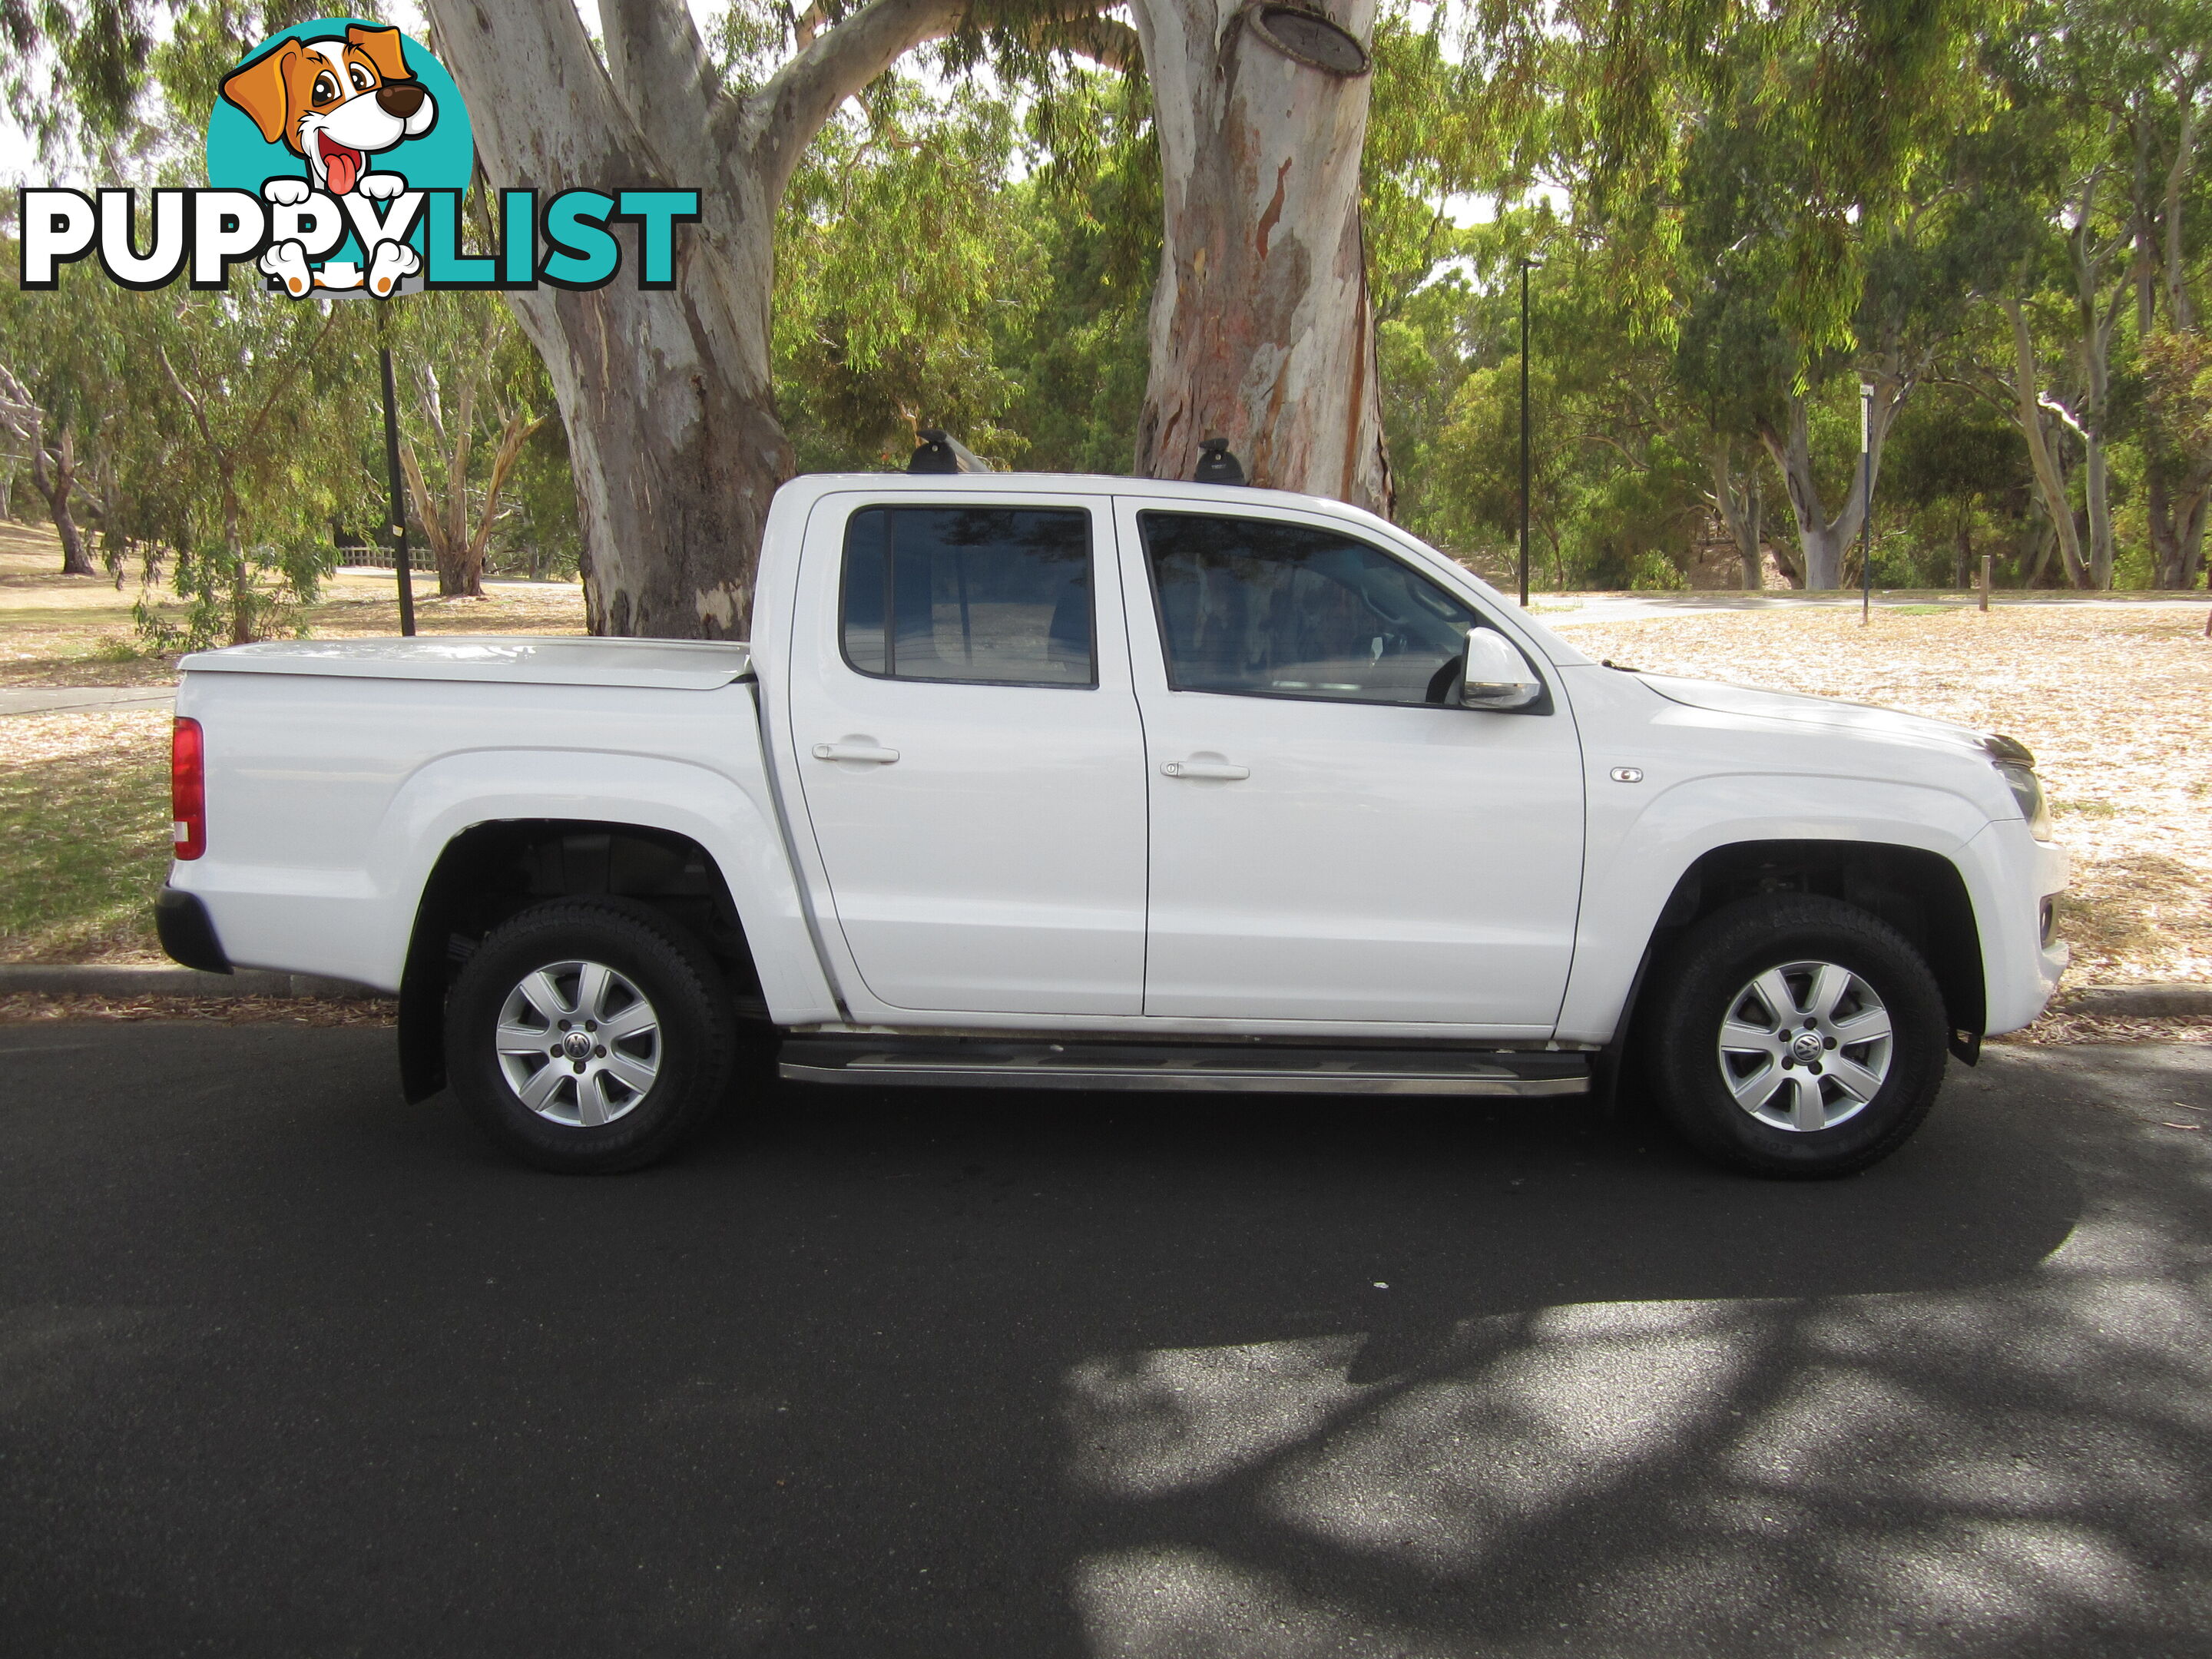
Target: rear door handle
x=1201 y=769
x=855 y=751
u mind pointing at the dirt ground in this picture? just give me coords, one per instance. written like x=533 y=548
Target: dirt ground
x=2115 y=700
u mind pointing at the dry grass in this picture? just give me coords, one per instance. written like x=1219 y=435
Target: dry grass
x=2116 y=700
x=77 y=630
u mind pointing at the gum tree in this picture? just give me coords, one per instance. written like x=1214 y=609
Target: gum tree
x=1262 y=329
x=668 y=395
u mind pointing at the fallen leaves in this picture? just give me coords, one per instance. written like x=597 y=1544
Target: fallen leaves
x=25 y=1007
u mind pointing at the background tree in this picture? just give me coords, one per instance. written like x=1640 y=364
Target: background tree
x=486 y=399
x=271 y=445
x=50 y=445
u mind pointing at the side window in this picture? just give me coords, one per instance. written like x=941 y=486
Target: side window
x=1270 y=610
x=994 y=595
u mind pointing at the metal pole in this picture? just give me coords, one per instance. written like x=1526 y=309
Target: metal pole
x=1987 y=559
x=1866 y=504
x=398 y=527
x=1524 y=434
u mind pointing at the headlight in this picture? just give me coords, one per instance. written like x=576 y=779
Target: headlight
x=2028 y=789
x=2016 y=764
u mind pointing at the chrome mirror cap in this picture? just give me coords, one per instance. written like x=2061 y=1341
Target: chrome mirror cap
x=1497 y=674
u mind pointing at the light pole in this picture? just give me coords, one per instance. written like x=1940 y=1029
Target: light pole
x=1527 y=265
x=397 y=529
x=1866 y=503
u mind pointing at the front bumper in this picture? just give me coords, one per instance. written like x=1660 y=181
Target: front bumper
x=2023 y=957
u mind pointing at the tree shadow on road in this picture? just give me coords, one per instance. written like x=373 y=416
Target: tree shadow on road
x=913 y=1373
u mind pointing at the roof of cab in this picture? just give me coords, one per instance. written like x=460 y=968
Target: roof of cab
x=1071 y=484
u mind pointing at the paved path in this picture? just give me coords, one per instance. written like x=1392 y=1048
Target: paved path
x=61 y=699
x=287 y=1367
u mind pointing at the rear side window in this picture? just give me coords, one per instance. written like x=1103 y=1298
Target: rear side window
x=1263 y=609
x=989 y=595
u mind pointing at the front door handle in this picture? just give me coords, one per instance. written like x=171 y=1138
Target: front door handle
x=1205 y=768
x=855 y=751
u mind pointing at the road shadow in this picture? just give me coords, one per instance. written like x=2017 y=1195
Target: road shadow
x=919 y=1373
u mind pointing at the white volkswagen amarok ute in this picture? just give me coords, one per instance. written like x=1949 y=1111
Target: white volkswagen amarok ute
x=1080 y=782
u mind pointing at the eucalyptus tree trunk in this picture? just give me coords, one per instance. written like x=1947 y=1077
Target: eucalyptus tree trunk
x=1739 y=499
x=1823 y=539
x=2097 y=313
x=57 y=486
x=1262 y=331
x=2026 y=383
x=666 y=394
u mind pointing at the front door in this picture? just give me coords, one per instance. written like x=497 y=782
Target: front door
x=1332 y=839
x=969 y=749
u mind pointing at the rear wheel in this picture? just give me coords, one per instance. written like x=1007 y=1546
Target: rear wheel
x=589 y=1036
x=1797 y=1035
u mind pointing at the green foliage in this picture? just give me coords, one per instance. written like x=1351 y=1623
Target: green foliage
x=896 y=250
x=270 y=452
x=1743 y=210
x=1077 y=349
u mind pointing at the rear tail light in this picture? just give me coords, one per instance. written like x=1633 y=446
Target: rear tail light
x=188 y=789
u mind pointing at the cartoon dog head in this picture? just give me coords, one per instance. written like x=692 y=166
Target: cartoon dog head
x=335 y=102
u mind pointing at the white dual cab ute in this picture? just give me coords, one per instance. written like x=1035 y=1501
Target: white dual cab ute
x=1084 y=782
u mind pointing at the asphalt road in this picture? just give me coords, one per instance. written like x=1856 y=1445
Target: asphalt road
x=287 y=1367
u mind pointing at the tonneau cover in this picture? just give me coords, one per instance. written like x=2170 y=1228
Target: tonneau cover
x=557 y=660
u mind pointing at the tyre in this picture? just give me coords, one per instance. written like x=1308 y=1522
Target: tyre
x=589 y=1036
x=1795 y=1035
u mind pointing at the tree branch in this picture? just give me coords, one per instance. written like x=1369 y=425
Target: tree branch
x=191 y=404
x=519 y=427
x=777 y=123
x=663 y=74
x=1082 y=31
x=291 y=372
x=433 y=526
x=546 y=113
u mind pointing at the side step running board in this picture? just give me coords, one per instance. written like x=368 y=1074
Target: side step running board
x=942 y=1063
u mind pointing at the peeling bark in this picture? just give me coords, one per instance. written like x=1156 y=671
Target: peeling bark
x=1262 y=328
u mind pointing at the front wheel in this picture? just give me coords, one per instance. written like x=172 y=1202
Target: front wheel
x=589 y=1036
x=1797 y=1035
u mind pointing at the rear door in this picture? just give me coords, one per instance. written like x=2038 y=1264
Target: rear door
x=970 y=751
x=1331 y=840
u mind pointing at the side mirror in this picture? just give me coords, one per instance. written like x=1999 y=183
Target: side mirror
x=1496 y=676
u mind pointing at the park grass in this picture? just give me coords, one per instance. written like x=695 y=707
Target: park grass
x=84 y=812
